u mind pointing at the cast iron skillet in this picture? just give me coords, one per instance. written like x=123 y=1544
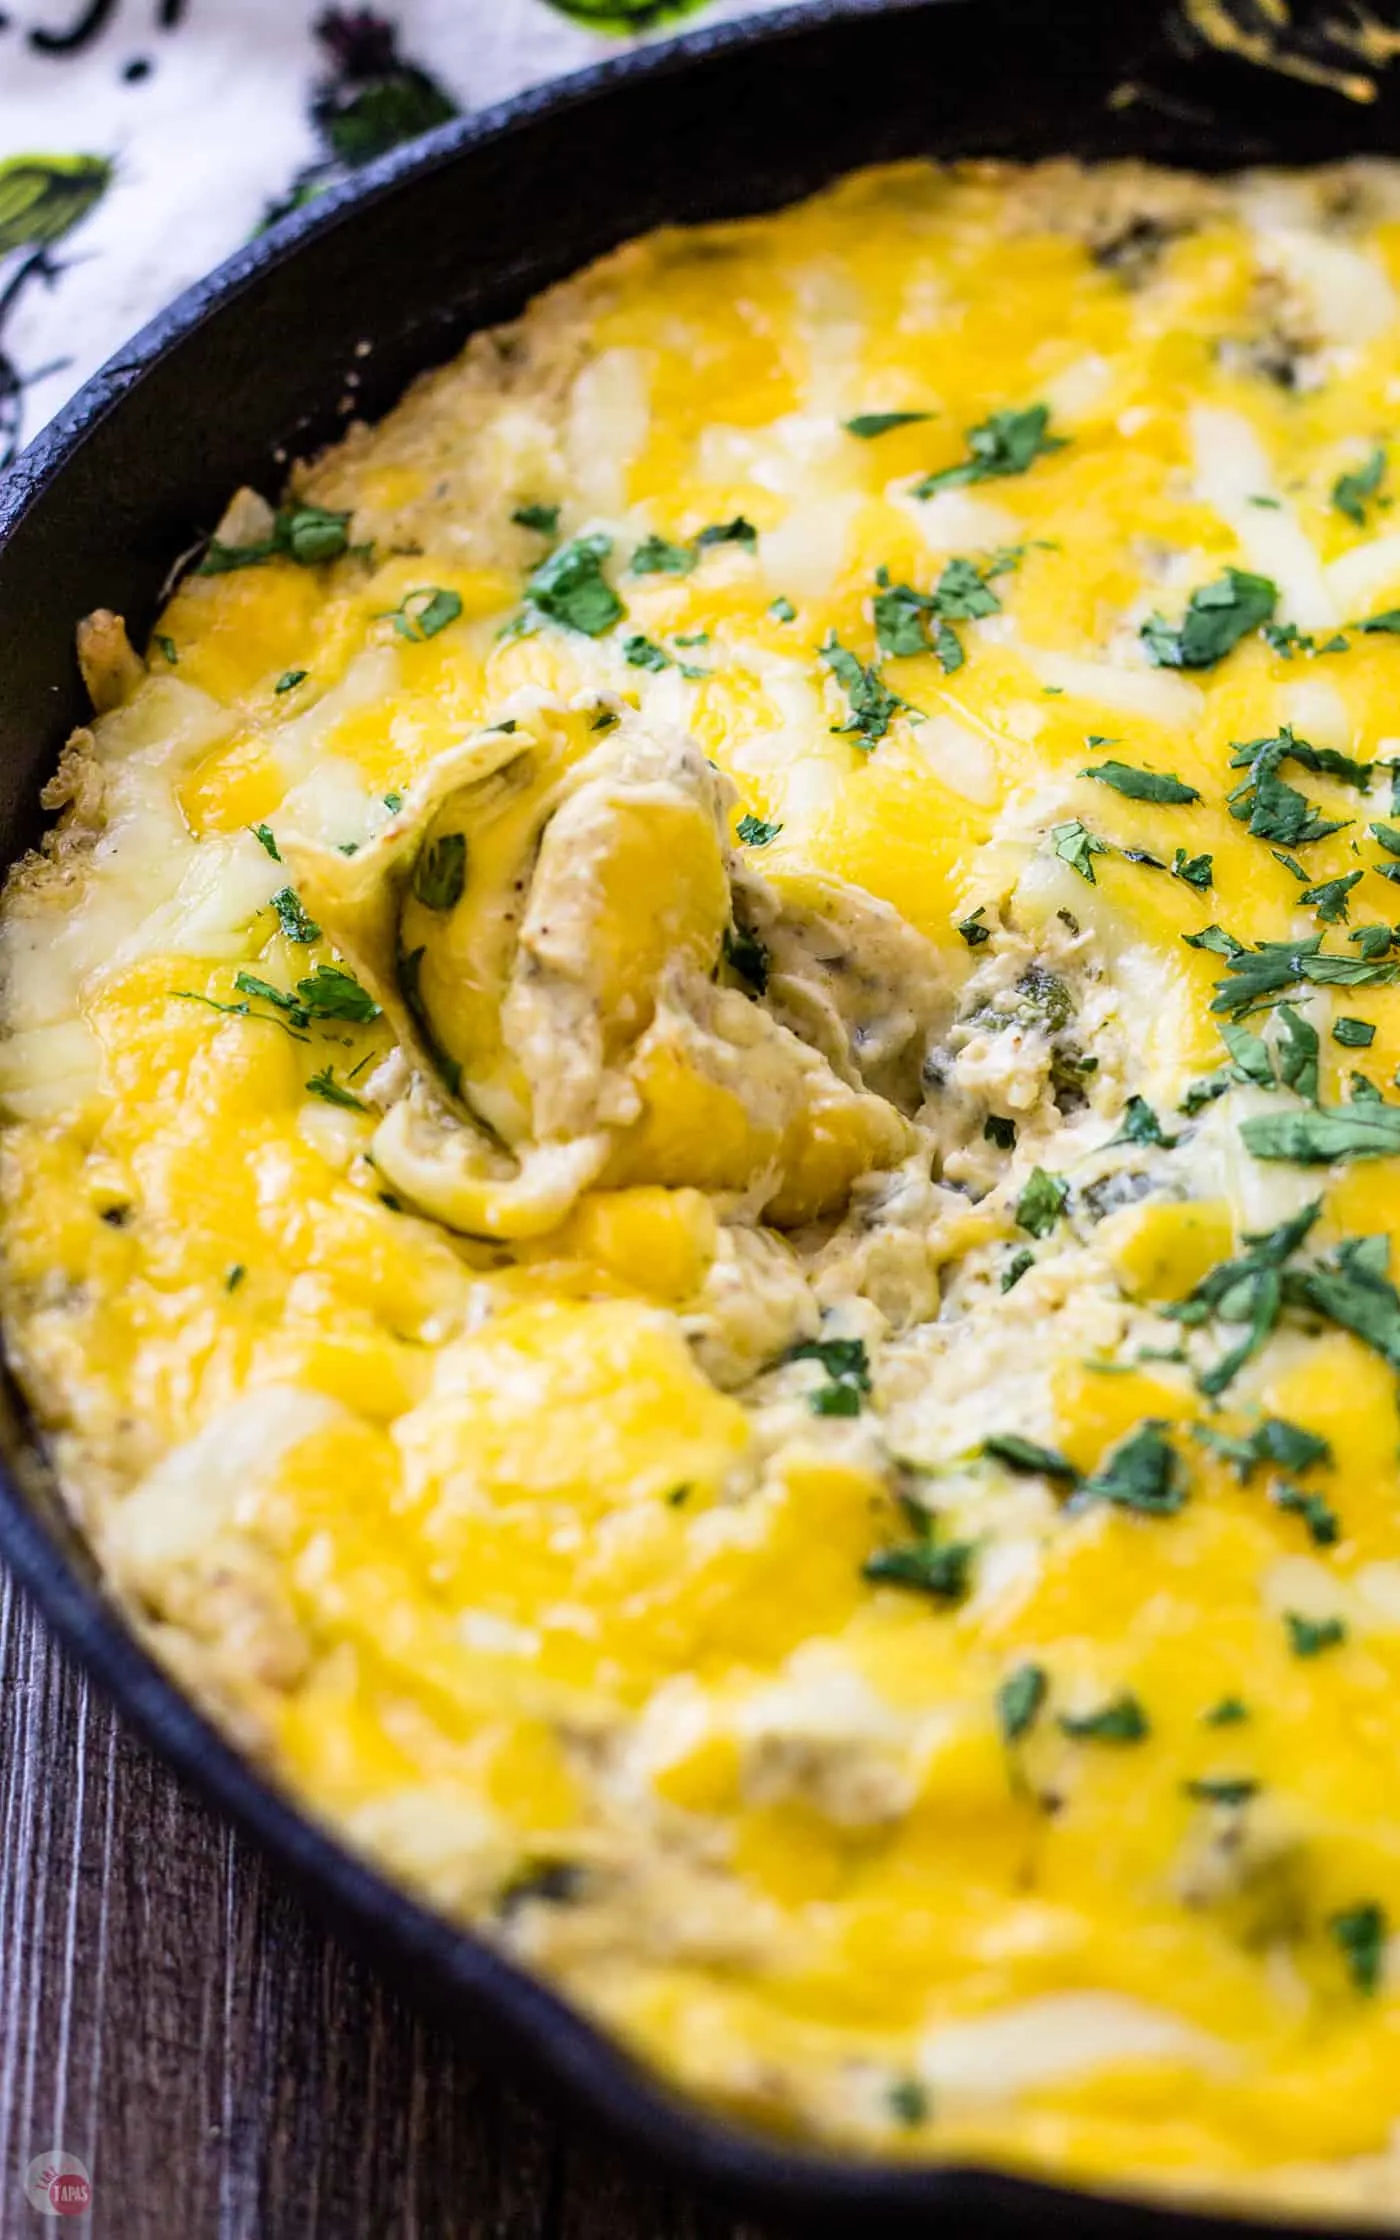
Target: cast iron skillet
x=259 y=363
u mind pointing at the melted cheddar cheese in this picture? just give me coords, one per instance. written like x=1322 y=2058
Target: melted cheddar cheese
x=699 y=1169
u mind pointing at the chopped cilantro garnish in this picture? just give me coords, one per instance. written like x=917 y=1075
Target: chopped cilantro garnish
x=1260 y=976
x=262 y=833
x=571 y=589
x=1227 y=1789
x=1120 y=1720
x=1005 y=443
x=1361 y=1932
x=168 y=648
x=1310 y=1637
x=1351 y=1288
x=1041 y=1202
x=1329 y=899
x=872 y=703
x=306 y=534
x=925 y=1567
x=1078 y=846
x=1141 y=785
x=423 y=612
x=290 y=679
x=393 y=802
x=1141 y=1125
x=1029 y=1457
x=1197 y=871
x=1143 y=1473
x=1016 y=1267
x=642 y=653
x=755 y=833
x=1368 y=1130
x=867 y=424
x=544 y=520
x=1350 y=492
x=1019 y=1699
x=1000 y=1131
x=1274 y=1439
x=654 y=556
x=847 y=1370
x=325 y=1086
x=1247 y=1290
x=783 y=610
x=235 y=1276
x=1276 y=810
x=1217 y=616
x=1229 y=1712
x=292 y=918
x=746 y=957
x=1385 y=624
x=973 y=931
x=440 y=872
x=737 y=531
x=1317 y=1514
x=908 y=2100
x=1353 y=1034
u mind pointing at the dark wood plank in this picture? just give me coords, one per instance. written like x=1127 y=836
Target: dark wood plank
x=170 y=2012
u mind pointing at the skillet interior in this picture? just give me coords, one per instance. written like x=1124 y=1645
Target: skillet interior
x=252 y=367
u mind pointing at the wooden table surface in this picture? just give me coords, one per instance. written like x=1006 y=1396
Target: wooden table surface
x=171 y=2013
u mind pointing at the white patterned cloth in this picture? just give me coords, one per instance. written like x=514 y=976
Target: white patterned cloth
x=143 y=140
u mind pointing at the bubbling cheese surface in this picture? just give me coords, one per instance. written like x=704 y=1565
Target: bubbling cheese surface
x=699 y=1161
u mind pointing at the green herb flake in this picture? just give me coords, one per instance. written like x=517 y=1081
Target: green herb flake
x=290 y=679
x=924 y=1567
x=868 y=424
x=292 y=918
x=1141 y=1125
x=999 y=1131
x=754 y=833
x=974 y=933
x=872 y=703
x=1141 y=785
x=1331 y=1134
x=641 y=653
x=1122 y=1719
x=1229 y=1712
x=738 y=531
x=1217 y=616
x=262 y=833
x=167 y=647
x=746 y=957
x=422 y=613
x=1028 y=1458
x=1312 y=1637
x=571 y=589
x=306 y=534
x=1361 y=1932
x=544 y=520
x=1143 y=1473
x=1377 y=625
x=1077 y=846
x=1247 y=1291
x=1330 y=898
x=1351 y=492
x=847 y=1370
x=1224 y=1789
x=1321 y=1519
x=440 y=872
x=325 y=1086
x=1353 y=1034
x=1042 y=1201
x=783 y=610
x=1016 y=1267
x=1005 y=443
x=655 y=556
x=908 y=2100
x=1019 y=1700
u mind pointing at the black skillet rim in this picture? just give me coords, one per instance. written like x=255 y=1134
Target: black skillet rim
x=450 y=1967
